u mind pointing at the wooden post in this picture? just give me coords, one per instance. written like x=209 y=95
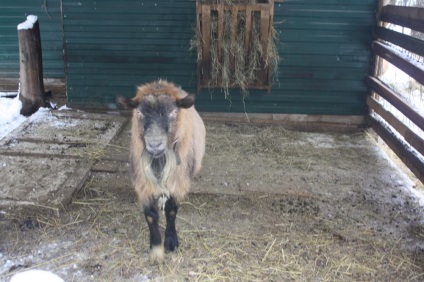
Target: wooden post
x=31 y=89
x=380 y=66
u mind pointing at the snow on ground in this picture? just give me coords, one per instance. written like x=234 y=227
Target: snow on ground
x=10 y=117
x=36 y=275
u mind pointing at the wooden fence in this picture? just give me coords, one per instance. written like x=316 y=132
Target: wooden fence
x=409 y=147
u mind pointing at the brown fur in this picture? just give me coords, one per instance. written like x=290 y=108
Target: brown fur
x=157 y=88
x=190 y=133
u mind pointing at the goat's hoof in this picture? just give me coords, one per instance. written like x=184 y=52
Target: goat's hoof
x=157 y=253
x=171 y=243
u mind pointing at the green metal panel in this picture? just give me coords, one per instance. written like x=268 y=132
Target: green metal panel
x=13 y=12
x=112 y=46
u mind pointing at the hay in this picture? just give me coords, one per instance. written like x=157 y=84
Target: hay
x=110 y=242
x=260 y=236
x=247 y=62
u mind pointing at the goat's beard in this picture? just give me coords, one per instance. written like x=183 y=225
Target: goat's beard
x=159 y=170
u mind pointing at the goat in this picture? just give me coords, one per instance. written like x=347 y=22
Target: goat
x=166 y=152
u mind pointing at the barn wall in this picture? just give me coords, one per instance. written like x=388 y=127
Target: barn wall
x=113 y=45
x=13 y=12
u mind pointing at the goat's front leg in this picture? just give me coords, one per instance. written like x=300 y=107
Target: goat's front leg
x=152 y=217
x=171 y=238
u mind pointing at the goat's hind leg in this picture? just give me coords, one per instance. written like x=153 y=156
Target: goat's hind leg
x=151 y=214
x=171 y=238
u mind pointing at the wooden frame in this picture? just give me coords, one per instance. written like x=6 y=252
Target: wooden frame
x=204 y=14
x=410 y=149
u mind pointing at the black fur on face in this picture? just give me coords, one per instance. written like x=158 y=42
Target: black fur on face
x=157 y=116
x=157 y=110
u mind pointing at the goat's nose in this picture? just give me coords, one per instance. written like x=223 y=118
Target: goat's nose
x=155 y=147
x=155 y=144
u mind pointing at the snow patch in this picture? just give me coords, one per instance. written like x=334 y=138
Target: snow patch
x=64 y=108
x=6 y=265
x=45 y=115
x=10 y=117
x=320 y=140
x=36 y=275
x=29 y=23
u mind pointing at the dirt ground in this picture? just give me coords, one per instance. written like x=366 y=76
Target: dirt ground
x=269 y=205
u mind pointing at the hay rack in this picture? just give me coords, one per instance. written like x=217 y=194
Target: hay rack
x=206 y=13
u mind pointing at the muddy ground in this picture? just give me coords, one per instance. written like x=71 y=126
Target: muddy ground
x=269 y=205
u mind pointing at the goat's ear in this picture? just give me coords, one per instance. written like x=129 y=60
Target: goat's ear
x=126 y=103
x=186 y=102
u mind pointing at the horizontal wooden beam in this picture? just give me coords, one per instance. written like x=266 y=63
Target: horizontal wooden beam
x=229 y=7
x=315 y=123
x=411 y=17
x=410 y=43
x=410 y=158
x=411 y=137
x=396 y=100
x=397 y=58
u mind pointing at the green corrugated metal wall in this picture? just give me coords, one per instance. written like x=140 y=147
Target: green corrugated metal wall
x=112 y=46
x=13 y=12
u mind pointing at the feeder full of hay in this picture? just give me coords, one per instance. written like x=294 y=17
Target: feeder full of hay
x=236 y=44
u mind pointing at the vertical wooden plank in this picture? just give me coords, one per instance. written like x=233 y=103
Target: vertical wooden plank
x=248 y=30
x=270 y=38
x=220 y=31
x=220 y=42
x=220 y=11
x=206 y=40
x=264 y=37
x=234 y=14
x=199 y=51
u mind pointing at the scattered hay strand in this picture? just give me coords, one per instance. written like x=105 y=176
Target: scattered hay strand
x=270 y=247
x=222 y=237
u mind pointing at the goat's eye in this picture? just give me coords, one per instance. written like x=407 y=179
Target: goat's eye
x=173 y=114
x=139 y=114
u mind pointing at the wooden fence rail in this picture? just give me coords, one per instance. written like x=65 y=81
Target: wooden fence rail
x=410 y=136
x=397 y=58
x=407 y=42
x=396 y=100
x=410 y=17
x=410 y=158
x=410 y=147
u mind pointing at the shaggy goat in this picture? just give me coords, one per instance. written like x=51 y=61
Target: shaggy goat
x=167 y=147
